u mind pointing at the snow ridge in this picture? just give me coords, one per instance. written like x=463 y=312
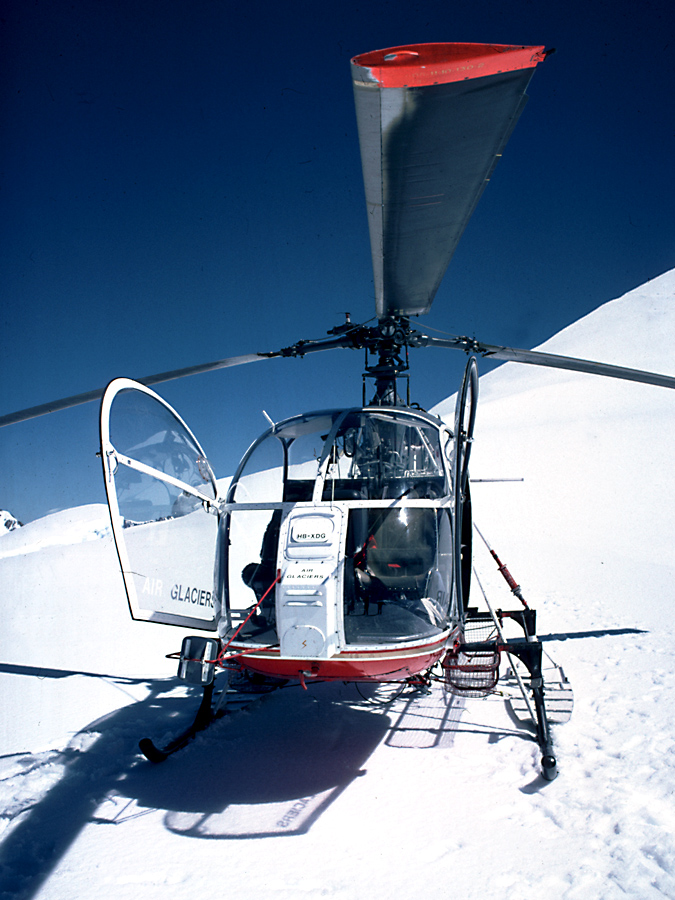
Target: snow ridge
x=60 y=529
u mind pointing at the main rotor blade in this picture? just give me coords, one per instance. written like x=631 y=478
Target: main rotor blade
x=77 y=399
x=550 y=360
x=433 y=120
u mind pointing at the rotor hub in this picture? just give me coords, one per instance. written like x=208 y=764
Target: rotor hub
x=389 y=341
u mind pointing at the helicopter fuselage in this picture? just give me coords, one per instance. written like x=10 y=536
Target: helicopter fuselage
x=334 y=555
x=350 y=566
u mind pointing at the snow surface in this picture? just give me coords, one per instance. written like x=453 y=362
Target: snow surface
x=320 y=793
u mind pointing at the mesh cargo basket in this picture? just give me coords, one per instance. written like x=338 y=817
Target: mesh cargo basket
x=473 y=673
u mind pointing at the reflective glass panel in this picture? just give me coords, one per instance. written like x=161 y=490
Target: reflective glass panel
x=262 y=479
x=377 y=456
x=398 y=574
x=142 y=498
x=144 y=429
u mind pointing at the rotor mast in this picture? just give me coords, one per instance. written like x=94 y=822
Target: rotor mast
x=389 y=346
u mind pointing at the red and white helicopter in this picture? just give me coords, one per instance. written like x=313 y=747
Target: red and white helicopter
x=342 y=547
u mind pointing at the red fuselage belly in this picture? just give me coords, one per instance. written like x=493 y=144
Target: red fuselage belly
x=376 y=665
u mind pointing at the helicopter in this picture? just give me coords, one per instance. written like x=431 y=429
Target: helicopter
x=342 y=547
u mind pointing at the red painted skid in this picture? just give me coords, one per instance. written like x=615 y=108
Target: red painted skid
x=417 y=65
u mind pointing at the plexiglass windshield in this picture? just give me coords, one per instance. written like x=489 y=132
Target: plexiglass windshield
x=382 y=455
x=147 y=431
x=364 y=455
x=398 y=571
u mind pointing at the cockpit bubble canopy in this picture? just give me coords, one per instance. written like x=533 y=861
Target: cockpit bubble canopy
x=357 y=454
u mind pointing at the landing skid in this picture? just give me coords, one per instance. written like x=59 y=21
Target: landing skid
x=201 y=721
x=239 y=691
x=472 y=669
x=557 y=691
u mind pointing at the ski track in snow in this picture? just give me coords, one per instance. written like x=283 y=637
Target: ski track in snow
x=320 y=793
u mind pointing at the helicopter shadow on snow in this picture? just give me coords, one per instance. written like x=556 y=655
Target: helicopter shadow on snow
x=268 y=770
x=92 y=763
x=272 y=770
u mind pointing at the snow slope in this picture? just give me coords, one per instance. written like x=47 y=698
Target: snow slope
x=596 y=455
x=60 y=529
x=320 y=793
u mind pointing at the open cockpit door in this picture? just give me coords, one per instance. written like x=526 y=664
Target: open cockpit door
x=465 y=418
x=163 y=507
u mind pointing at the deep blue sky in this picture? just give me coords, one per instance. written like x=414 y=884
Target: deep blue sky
x=181 y=182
